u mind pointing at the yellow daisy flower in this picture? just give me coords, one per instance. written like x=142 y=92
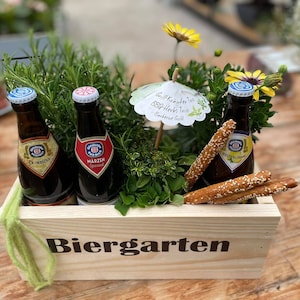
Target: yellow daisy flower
x=182 y=34
x=256 y=78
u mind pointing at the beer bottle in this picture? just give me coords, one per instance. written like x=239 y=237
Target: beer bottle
x=99 y=175
x=43 y=167
x=236 y=157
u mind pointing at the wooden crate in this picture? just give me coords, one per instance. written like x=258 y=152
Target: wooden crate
x=187 y=242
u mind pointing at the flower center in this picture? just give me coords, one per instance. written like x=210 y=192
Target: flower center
x=181 y=37
x=254 y=81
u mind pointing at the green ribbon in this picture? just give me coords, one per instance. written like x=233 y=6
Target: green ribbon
x=18 y=247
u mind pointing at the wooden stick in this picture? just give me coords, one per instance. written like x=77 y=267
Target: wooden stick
x=160 y=130
x=209 y=152
x=159 y=135
x=227 y=188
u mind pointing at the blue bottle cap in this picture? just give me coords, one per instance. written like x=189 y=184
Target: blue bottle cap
x=85 y=94
x=21 y=95
x=241 y=89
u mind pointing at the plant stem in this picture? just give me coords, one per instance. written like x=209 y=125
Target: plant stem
x=175 y=51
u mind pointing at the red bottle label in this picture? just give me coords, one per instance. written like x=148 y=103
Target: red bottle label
x=94 y=153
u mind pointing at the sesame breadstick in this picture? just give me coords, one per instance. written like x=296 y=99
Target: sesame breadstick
x=208 y=153
x=269 y=188
x=227 y=188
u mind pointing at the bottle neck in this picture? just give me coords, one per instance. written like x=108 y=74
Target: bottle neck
x=239 y=110
x=89 y=120
x=30 y=122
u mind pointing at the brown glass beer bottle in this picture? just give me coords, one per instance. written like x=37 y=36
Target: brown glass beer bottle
x=236 y=157
x=99 y=168
x=43 y=167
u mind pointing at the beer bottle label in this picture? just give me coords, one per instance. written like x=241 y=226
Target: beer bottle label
x=237 y=150
x=94 y=153
x=39 y=154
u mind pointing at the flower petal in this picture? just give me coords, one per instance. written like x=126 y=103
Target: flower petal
x=268 y=91
x=178 y=27
x=248 y=74
x=182 y=34
x=256 y=95
x=190 y=32
x=236 y=74
x=231 y=79
x=257 y=74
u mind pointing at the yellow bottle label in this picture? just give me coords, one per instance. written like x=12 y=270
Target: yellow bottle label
x=39 y=154
x=237 y=149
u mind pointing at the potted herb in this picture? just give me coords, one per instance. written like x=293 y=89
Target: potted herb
x=153 y=177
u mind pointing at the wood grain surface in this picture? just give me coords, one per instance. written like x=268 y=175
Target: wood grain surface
x=277 y=151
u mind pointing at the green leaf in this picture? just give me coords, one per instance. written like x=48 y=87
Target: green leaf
x=164 y=196
x=157 y=200
x=121 y=207
x=177 y=199
x=143 y=200
x=143 y=181
x=187 y=160
x=157 y=187
x=127 y=199
x=151 y=192
x=131 y=184
x=177 y=183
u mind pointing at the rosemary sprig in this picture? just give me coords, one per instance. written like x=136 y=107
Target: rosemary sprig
x=55 y=71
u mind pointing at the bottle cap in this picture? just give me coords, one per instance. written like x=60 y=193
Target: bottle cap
x=85 y=94
x=21 y=95
x=241 y=89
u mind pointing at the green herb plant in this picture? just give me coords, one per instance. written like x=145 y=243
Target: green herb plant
x=151 y=177
x=209 y=80
x=56 y=70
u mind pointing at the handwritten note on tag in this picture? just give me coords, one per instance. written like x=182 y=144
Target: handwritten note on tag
x=171 y=103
